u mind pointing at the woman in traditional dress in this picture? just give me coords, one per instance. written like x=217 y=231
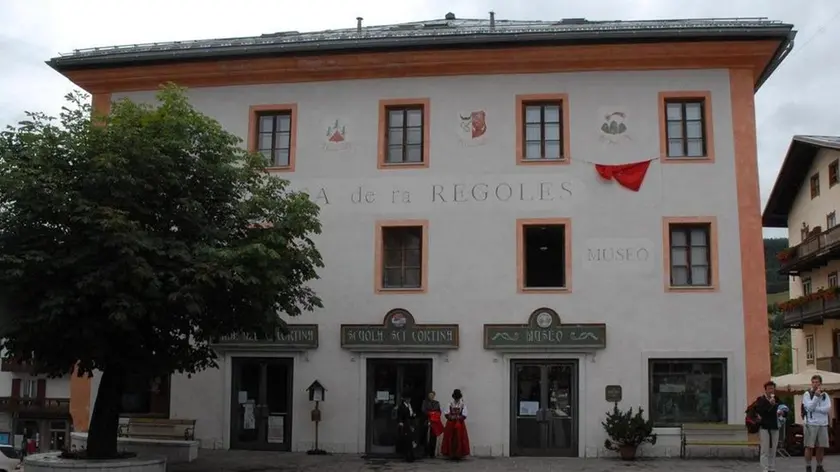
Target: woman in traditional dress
x=456 y=441
x=434 y=425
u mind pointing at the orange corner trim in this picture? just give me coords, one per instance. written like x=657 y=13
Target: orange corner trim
x=754 y=296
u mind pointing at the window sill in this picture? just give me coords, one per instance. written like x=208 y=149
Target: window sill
x=690 y=289
x=547 y=290
x=520 y=160
x=688 y=160
x=399 y=291
x=403 y=165
x=279 y=169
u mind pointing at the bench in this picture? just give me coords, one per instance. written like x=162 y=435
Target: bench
x=714 y=434
x=159 y=428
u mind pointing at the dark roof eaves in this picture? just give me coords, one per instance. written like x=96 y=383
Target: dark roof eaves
x=774 y=31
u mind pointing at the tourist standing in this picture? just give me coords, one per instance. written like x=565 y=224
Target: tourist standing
x=817 y=405
x=434 y=425
x=766 y=407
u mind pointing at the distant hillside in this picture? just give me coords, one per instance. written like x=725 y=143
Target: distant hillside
x=776 y=283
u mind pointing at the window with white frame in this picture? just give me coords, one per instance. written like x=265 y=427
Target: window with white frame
x=809 y=349
x=29 y=388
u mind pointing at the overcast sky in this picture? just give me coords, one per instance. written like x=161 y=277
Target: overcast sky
x=800 y=98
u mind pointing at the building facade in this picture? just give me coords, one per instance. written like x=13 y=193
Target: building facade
x=469 y=237
x=35 y=407
x=805 y=200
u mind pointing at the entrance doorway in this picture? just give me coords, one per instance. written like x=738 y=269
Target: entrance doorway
x=387 y=381
x=544 y=408
x=261 y=400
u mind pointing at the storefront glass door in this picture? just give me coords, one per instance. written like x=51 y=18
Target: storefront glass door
x=388 y=381
x=261 y=403
x=544 y=408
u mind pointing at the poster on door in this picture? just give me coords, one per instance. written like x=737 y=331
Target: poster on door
x=249 y=421
x=276 y=429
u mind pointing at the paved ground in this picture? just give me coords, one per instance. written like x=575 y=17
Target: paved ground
x=245 y=461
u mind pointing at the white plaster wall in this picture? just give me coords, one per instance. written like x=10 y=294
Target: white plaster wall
x=813 y=211
x=6 y=383
x=472 y=259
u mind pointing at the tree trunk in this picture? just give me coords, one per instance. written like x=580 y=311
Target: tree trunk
x=104 y=424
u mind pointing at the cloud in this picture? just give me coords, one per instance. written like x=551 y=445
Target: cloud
x=797 y=99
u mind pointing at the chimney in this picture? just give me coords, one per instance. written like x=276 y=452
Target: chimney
x=359 y=24
x=492 y=19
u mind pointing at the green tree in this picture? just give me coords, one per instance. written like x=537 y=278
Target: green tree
x=781 y=359
x=129 y=242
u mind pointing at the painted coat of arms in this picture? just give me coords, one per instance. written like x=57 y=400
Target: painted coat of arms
x=613 y=125
x=336 y=136
x=473 y=128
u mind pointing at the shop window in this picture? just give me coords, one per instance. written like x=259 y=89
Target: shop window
x=143 y=396
x=687 y=391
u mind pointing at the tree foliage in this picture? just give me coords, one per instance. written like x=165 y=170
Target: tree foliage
x=129 y=242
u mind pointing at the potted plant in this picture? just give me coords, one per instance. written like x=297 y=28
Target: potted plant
x=627 y=431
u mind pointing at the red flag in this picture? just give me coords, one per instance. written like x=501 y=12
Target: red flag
x=628 y=176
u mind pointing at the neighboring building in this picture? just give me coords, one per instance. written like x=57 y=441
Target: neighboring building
x=34 y=405
x=468 y=239
x=805 y=200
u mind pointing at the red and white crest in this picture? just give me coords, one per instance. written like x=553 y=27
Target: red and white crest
x=473 y=127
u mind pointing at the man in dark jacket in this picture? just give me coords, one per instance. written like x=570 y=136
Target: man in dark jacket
x=765 y=407
x=405 y=428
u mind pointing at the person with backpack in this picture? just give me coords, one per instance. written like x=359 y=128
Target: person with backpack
x=765 y=410
x=817 y=405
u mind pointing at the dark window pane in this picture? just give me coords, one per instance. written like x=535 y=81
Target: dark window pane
x=544 y=256
x=687 y=391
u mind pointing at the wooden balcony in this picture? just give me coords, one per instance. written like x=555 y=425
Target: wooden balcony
x=53 y=407
x=813 y=312
x=829 y=364
x=7 y=365
x=816 y=251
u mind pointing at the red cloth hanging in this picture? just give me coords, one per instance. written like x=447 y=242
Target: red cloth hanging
x=629 y=176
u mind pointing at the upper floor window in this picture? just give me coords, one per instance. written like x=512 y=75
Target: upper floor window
x=833 y=174
x=832 y=279
x=815 y=185
x=810 y=349
x=29 y=388
x=272 y=134
x=806 y=286
x=686 y=131
x=401 y=256
x=543 y=135
x=830 y=220
x=404 y=129
x=690 y=255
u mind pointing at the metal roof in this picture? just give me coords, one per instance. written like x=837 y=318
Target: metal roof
x=800 y=156
x=570 y=28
